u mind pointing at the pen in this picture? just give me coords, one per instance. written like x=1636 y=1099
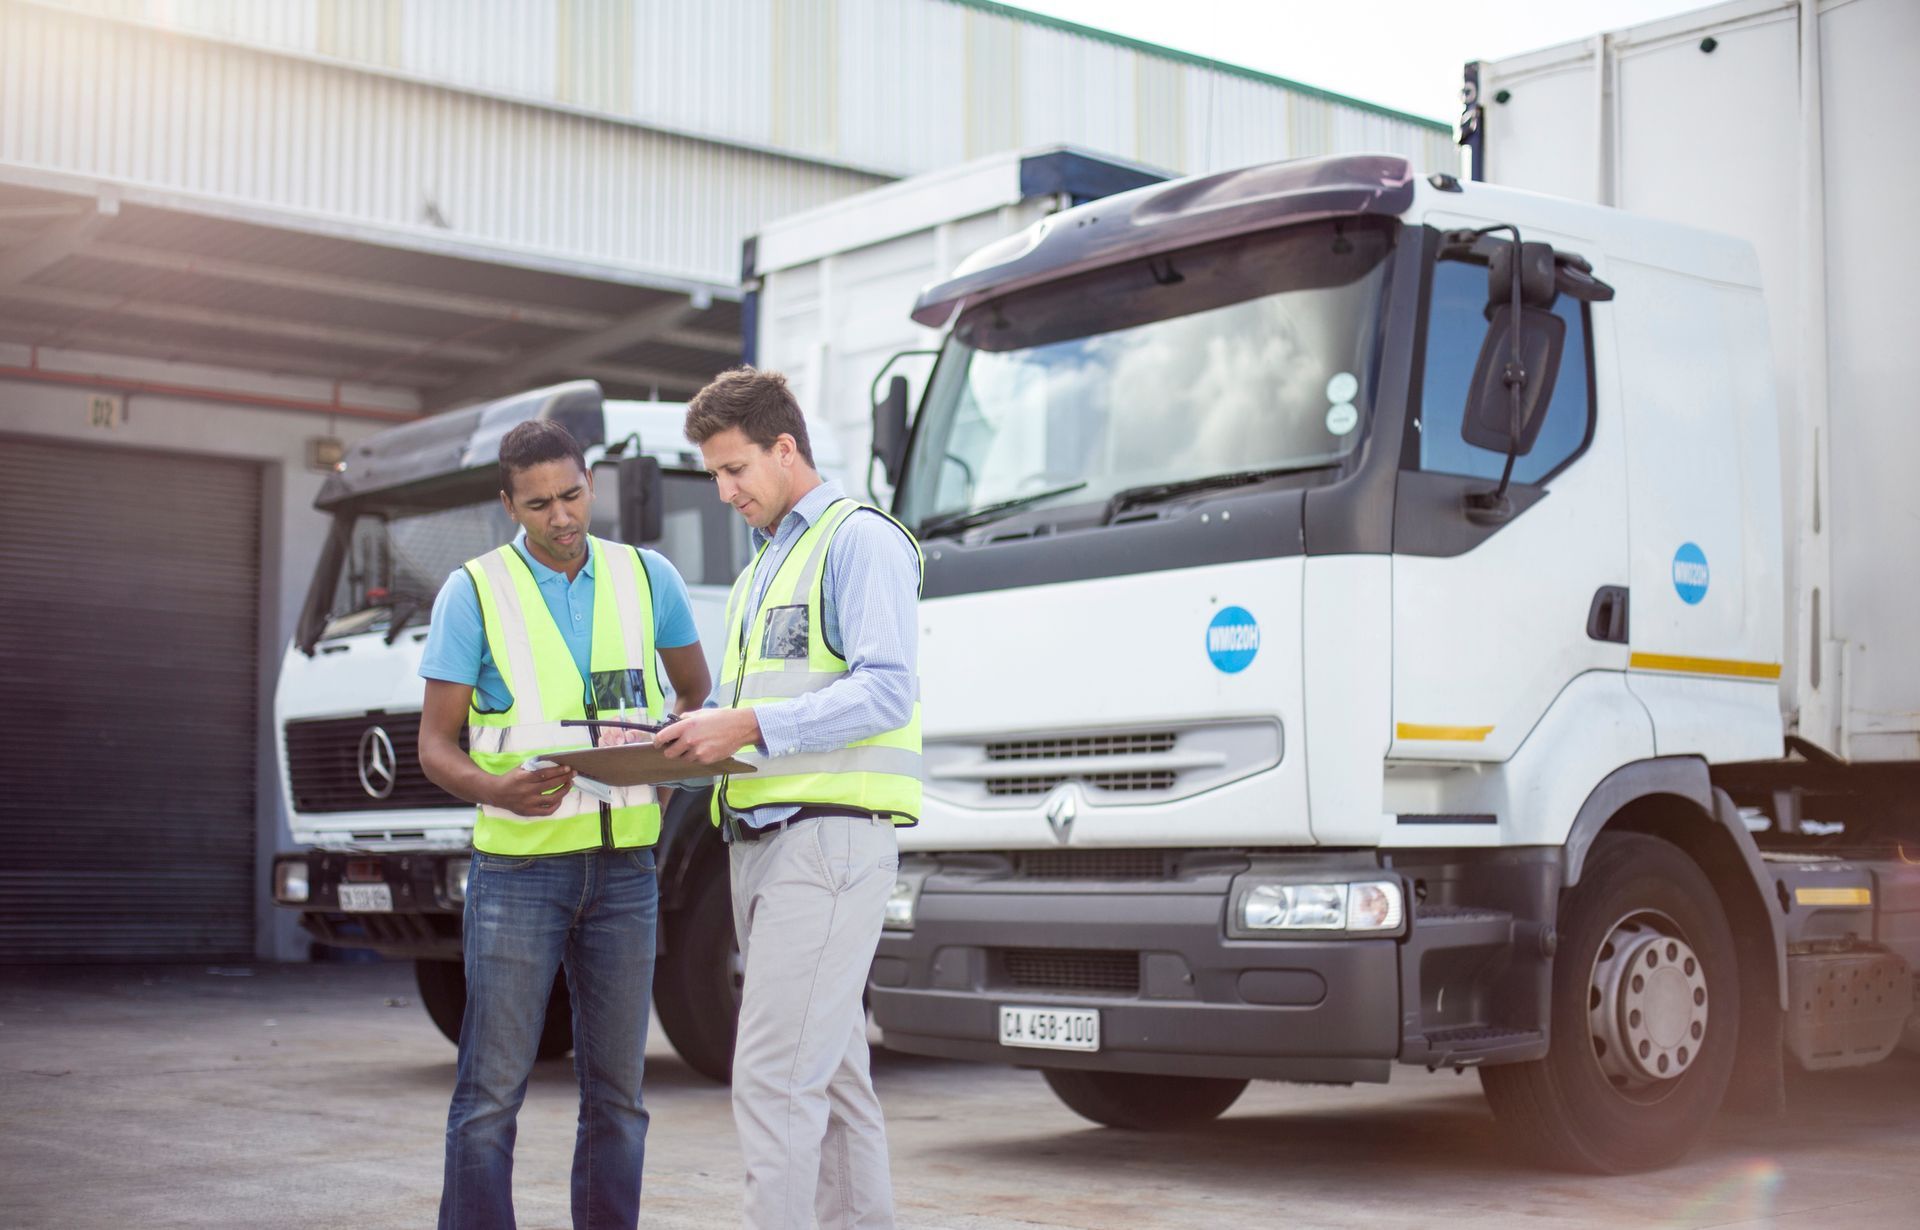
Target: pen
x=609 y=724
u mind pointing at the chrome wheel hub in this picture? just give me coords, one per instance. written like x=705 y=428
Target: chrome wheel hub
x=1646 y=1003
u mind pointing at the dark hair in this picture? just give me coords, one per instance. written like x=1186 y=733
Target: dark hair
x=759 y=403
x=533 y=443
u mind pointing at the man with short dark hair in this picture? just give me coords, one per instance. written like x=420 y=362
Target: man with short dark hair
x=557 y=625
x=822 y=696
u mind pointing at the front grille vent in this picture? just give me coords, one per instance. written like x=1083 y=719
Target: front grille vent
x=1067 y=969
x=1153 y=764
x=1143 y=779
x=323 y=765
x=1137 y=744
x=1093 y=865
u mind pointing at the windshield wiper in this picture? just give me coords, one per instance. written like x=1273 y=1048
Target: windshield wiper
x=1153 y=493
x=949 y=522
x=402 y=613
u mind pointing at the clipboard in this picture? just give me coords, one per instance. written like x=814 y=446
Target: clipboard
x=638 y=764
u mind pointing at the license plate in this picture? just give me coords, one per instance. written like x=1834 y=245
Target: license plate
x=366 y=898
x=1056 y=1029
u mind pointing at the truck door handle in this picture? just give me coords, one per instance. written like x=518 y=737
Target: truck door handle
x=1607 y=617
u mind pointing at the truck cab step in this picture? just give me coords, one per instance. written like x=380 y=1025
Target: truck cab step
x=1471 y=1045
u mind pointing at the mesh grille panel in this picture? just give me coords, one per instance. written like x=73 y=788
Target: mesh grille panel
x=1093 y=865
x=1082 y=745
x=1066 y=969
x=1140 y=779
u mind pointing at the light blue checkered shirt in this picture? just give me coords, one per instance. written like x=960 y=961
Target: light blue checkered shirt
x=870 y=596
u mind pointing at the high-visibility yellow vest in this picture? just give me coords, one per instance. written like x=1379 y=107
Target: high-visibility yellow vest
x=547 y=689
x=784 y=655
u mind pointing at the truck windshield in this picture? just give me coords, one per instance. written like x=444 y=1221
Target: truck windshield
x=396 y=562
x=397 y=557
x=1251 y=355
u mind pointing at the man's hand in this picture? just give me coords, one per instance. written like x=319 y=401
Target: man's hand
x=708 y=736
x=532 y=792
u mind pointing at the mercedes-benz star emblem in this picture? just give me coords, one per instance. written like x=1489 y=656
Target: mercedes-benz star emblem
x=1062 y=808
x=377 y=762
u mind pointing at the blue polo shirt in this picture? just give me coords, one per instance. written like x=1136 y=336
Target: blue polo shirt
x=457 y=639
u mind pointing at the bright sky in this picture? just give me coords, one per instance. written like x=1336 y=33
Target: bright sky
x=1405 y=54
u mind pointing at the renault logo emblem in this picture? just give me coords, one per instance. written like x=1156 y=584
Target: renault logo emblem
x=377 y=762
x=1061 y=811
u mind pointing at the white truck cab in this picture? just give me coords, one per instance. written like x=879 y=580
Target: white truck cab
x=1353 y=632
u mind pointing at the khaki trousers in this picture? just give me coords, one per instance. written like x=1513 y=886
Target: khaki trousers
x=807 y=906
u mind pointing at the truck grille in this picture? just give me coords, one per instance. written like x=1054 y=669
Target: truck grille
x=323 y=765
x=1148 y=779
x=1135 y=744
x=1093 y=864
x=1121 y=767
x=1067 y=969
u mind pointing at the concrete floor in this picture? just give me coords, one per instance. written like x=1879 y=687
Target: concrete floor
x=315 y=1095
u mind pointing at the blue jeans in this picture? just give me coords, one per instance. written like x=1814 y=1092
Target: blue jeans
x=596 y=911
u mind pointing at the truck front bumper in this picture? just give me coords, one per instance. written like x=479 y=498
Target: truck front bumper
x=416 y=916
x=1175 y=993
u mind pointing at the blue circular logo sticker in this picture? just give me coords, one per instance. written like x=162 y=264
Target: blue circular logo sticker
x=1690 y=573
x=1232 y=639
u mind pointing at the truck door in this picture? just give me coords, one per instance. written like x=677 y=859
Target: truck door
x=1495 y=618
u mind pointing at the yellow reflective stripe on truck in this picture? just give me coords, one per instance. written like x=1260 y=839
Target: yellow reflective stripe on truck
x=1441 y=734
x=1731 y=667
x=1833 y=896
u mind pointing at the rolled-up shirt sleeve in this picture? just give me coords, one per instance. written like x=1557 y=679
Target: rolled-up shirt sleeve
x=873 y=586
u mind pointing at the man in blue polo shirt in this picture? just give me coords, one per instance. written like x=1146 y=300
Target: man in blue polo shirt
x=557 y=876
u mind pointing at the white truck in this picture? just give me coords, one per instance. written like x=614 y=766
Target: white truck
x=387 y=857
x=1437 y=623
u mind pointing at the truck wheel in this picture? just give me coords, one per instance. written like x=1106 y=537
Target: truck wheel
x=696 y=987
x=1142 y=1103
x=443 y=992
x=1646 y=994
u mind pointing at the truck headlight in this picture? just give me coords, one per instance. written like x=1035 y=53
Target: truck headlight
x=456 y=878
x=900 y=904
x=290 y=885
x=1370 y=906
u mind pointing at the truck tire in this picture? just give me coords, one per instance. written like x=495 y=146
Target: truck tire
x=1141 y=1103
x=696 y=987
x=1645 y=1001
x=443 y=992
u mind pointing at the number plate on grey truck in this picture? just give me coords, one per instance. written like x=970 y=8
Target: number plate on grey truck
x=1057 y=1029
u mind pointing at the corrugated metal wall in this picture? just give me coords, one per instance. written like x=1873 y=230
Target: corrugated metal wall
x=134 y=105
x=893 y=86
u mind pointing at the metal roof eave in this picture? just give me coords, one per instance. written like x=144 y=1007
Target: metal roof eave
x=1199 y=61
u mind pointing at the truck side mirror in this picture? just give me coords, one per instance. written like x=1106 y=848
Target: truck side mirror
x=890 y=428
x=1538 y=274
x=641 y=517
x=1491 y=421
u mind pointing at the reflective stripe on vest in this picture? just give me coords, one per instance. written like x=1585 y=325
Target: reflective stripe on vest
x=540 y=671
x=784 y=655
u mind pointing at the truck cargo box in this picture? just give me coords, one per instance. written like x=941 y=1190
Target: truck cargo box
x=1788 y=126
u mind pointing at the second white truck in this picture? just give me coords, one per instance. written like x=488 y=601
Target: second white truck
x=385 y=857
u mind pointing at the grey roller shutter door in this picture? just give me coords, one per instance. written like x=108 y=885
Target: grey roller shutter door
x=129 y=634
